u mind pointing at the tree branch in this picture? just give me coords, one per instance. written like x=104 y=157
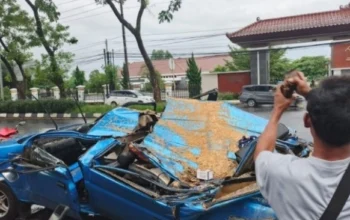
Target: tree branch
x=139 y=16
x=18 y=62
x=4 y=45
x=8 y=67
x=120 y=18
x=39 y=29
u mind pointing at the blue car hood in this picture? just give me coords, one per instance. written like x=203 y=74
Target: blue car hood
x=117 y=123
x=201 y=135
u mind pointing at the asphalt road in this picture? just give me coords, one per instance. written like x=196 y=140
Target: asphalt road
x=293 y=118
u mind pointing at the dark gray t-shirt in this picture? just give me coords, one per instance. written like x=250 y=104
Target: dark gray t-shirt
x=299 y=188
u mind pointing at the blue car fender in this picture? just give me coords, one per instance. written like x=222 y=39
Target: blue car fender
x=17 y=183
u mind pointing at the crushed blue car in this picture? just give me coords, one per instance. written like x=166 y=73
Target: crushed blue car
x=135 y=165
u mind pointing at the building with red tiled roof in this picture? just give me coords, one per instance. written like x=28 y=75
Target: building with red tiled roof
x=332 y=26
x=206 y=64
x=328 y=23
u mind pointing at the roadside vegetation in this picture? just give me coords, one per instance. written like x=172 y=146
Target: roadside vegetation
x=63 y=106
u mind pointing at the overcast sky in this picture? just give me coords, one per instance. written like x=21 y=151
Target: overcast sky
x=189 y=32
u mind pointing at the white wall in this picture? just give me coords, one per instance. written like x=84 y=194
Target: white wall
x=337 y=72
x=209 y=81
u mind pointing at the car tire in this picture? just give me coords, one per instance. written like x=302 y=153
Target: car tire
x=140 y=101
x=8 y=203
x=251 y=103
x=114 y=104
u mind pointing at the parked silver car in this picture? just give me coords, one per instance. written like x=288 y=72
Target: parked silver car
x=253 y=95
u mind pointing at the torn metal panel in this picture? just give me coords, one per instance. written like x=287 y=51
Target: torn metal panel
x=117 y=123
x=195 y=135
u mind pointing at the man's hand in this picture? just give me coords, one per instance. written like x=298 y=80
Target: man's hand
x=281 y=103
x=302 y=87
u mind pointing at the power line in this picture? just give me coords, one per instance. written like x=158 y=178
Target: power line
x=96 y=43
x=93 y=9
x=82 y=6
x=63 y=3
x=102 y=12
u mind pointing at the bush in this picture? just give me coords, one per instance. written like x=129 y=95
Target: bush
x=31 y=106
x=7 y=93
x=228 y=96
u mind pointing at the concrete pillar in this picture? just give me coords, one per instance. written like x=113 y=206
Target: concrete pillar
x=168 y=89
x=81 y=94
x=56 y=92
x=35 y=93
x=260 y=67
x=104 y=89
x=14 y=94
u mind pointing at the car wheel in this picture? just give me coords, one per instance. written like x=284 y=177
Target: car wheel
x=8 y=203
x=251 y=103
x=140 y=101
x=114 y=104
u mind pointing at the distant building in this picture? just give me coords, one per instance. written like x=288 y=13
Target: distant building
x=328 y=26
x=178 y=76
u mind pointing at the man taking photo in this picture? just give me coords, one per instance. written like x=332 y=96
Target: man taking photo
x=302 y=188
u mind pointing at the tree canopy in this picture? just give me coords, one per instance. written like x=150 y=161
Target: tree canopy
x=135 y=30
x=313 y=67
x=194 y=75
x=78 y=77
x=52 y=36
x=96 y=80
x=161 y=55
x=16 y=38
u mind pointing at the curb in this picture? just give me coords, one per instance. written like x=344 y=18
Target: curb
x=45 y=116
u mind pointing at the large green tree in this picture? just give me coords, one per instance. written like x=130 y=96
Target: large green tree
x=96 y=81
x=39 y=76
x=194 y=75
x=112 y=77
x=161 y=55
x=52 y=35
x=78 y=77
x=16 y=40
x=314 y=67
x=125 y=82
x=279 y=64
x=165 y=15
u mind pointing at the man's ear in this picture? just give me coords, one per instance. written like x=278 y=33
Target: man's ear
x=307 y=120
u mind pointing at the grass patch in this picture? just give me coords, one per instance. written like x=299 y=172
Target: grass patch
x=228 y=96
x=160 y=107
x=90 y=109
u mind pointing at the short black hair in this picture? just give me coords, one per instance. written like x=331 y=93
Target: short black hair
x=329 y=110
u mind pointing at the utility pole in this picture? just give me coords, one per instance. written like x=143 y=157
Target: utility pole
x=126 y=69
x=105 y=56
x=108 y=54
x=113 y=57
x=1 y=84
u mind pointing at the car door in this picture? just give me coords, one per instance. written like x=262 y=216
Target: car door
x=112 y=197
x=270 y=95
x=51 y=185
x=131 y=97
x=263 y=95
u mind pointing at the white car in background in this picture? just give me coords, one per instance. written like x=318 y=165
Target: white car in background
x=121 y=97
